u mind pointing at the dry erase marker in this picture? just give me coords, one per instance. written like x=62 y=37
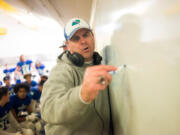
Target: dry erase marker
x=118 y=69
x=102 y=80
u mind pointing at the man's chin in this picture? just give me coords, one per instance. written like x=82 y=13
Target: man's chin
x=88 y=58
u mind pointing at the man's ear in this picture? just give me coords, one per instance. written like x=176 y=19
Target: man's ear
x=68 y=45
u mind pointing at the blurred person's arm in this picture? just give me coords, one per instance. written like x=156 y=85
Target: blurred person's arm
x=17 y=73
x=14 y=122
x=29 y=108
x=19 y=119
x=33 y=68
x=33 y=105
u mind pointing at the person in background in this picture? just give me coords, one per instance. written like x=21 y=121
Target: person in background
x=8 y=71
x=24 y=66
x=44 y=78
x=21 y=102
x=29 y=81
x=8 y=124
x=75 y=98
x=35 y=94
x=21 y=107
x=7 y=81
x=18 y=76
x=39 y=68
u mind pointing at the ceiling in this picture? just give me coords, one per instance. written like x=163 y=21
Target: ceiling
x=62 y=10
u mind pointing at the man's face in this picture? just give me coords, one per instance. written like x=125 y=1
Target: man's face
x=7 y=82
x=22 y=93
x=22 y=58
x=82 y=42
x=28 y=79
x=6 y=97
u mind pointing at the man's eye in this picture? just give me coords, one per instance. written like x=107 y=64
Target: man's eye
x=86 y=34
x=75 y=38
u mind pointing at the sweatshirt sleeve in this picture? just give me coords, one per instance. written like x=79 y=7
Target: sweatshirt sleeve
x=60 y=101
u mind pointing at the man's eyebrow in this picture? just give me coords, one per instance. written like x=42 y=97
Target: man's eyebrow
x=74 y=36
x=86 y=32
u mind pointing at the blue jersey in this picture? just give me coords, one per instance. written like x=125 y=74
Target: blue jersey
x=20 y=105
x=33 y=84
x=18 y=81
x=35 y=93
x=4 y=116
x=9 y=71
x=11 y=89
x=40 y=69
x=25 y=66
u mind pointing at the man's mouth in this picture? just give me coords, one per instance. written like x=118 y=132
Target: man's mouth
x=86 y=49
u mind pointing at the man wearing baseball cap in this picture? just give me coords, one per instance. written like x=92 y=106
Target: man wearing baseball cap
x=75 y=97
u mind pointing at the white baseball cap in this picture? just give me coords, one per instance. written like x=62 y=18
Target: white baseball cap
x=73 y=25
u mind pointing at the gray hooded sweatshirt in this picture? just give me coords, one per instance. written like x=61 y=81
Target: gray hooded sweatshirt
x=63 y=110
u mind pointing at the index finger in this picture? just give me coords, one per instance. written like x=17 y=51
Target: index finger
x=106 y=67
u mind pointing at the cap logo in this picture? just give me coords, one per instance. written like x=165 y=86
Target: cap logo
x=75 y=22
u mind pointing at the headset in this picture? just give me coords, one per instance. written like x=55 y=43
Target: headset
x=78 y=60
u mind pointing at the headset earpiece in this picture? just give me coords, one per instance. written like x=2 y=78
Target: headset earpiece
x=97 y=58
x=76 y=59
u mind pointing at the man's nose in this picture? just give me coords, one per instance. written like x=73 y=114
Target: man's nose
x=82 y=40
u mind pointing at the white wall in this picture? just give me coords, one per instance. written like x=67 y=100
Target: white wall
x=21 y=39
x=144 y=35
